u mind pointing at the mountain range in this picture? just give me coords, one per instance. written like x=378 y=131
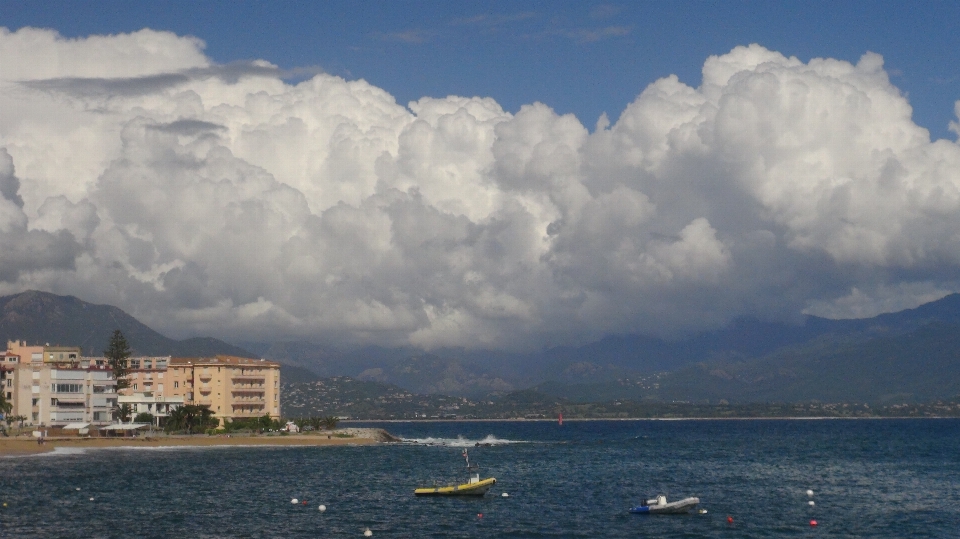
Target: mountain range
x=910 y=356
x=44 y=318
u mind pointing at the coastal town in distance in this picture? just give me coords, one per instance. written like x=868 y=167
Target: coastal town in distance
x=58 y=391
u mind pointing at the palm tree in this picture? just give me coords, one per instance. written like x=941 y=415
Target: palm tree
x=190 y=419
x=330 y=422
x=123 y=412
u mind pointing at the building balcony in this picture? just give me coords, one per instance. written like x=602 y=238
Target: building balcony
x=250 y=377
x=248 y=412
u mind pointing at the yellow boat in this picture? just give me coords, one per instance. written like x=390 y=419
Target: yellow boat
x=475 y=487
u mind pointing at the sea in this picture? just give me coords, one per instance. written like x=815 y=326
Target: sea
x=890 y=478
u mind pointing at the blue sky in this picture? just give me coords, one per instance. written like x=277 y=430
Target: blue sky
x=581 y=57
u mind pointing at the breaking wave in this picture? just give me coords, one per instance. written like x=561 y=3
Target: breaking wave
x=460 y=441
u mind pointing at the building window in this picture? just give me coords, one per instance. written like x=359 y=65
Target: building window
x=160 y=376
x=134 y=363
x=176 y=385
x=67 y=388
x=147 y=364
x=134 y=387
x=160 y=388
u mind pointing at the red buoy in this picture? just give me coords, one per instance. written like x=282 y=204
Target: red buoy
x=729 y=520
x=479 y=515
x=813 y=523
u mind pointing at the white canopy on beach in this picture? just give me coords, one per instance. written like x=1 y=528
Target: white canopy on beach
x=125 y=426
x=75 y=426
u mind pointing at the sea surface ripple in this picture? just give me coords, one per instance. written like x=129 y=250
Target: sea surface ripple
x=871 y=478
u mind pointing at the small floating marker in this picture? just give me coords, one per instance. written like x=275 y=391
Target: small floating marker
x=813 y=523
x=322 y=508
x=703 y=511
x=479 y=515
x=367 y=533
x=91 y=499
x=810 y=493
x=505 y=495
x=811 y=503
x=78 y=488
x=304 y=502
x=729 y=520
x=294 y=501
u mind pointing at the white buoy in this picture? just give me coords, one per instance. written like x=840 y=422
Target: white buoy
x=810 y=493
x=367 y=533
x=810 y=503
x=78 y=488
x=322 y=508
x=294 y=501
x=91 y=499
x=703 y=511
x=505 y=495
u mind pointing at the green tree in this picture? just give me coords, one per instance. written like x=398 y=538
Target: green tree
x=5 y=407
x=116 y=355
x=191 y=419
x=330 y=422
x=123 y=412
x=144 y=417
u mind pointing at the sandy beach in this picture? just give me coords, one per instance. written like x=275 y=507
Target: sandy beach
x=24 y=445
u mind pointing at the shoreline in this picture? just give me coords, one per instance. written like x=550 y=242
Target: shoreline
x=585 y=419
x=27 y=445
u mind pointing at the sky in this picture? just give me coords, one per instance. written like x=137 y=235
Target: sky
x=504 y=175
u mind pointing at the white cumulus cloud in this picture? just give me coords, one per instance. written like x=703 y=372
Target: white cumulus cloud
x=221 y=200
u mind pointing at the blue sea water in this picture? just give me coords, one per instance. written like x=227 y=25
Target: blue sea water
x=871 y=478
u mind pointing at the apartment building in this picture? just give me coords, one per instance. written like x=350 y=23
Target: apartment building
x=146 y=392
x=58 y=393
x=53 y=385
x=233 y=387
x=8 y=362
x=43 y=353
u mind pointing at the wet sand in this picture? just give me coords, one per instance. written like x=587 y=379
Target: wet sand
x=27 y=445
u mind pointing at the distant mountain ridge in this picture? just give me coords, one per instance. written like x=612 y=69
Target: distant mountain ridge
x=743 y=361
x=910 y=356
x=45 y=318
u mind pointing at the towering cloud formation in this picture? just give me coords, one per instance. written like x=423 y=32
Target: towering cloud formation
x=221 y=200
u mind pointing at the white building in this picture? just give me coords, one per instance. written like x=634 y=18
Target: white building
x=146 y=402
x=56 y=394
